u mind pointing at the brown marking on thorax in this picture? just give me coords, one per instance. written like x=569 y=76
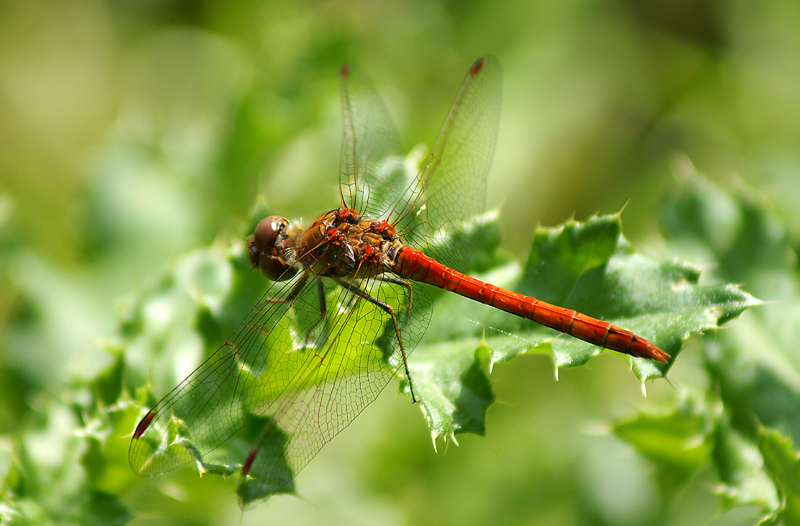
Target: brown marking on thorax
x=342 y=244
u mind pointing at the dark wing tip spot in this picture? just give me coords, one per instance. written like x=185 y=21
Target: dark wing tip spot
x=249 y=462
x=143 y=425
x=477 y=66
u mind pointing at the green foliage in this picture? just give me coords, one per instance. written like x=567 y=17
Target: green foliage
x=589 y=266
x=134 y=132
x=752 y=369
x=586 y=266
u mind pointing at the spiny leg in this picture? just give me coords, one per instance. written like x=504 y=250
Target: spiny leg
x=385 y=307
x=296 y=288
x=402 y=283
x=322 y=311
x=322 y=315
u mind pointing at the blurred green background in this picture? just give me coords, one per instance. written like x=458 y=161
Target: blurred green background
x=133 y=131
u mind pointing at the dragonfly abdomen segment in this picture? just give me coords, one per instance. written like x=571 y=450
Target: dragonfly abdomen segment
x=415 y=265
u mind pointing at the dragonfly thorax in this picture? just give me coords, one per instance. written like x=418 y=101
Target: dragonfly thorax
x=343 y=244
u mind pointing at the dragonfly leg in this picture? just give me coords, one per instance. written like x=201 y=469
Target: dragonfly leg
x=296 y=288
x=322 y=315
x=385 y=307
x=403 y=283
x=322 y=311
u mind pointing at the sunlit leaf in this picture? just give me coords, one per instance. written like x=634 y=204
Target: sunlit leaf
x=782 y=463
x=587 y=266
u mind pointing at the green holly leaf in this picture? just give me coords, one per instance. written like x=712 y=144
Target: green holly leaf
x=739 y=236
x=782 y=463
x=676 y=439
x=587 y=266
x=752 y=368
x=741 y=470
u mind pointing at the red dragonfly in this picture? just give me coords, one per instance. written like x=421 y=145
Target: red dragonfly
x=350 y=297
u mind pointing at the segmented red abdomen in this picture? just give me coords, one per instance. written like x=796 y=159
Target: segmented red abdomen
x=413 y=264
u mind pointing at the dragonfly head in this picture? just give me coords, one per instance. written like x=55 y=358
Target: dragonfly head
x=266 y=249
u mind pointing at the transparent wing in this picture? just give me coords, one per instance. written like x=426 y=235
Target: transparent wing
x=296 y=367
x=371 y=176
x=346 y=374
x=313 y=353
x=215 y=401
x=450 y=189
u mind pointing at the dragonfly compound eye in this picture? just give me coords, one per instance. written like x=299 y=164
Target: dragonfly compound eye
x=266 y=249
